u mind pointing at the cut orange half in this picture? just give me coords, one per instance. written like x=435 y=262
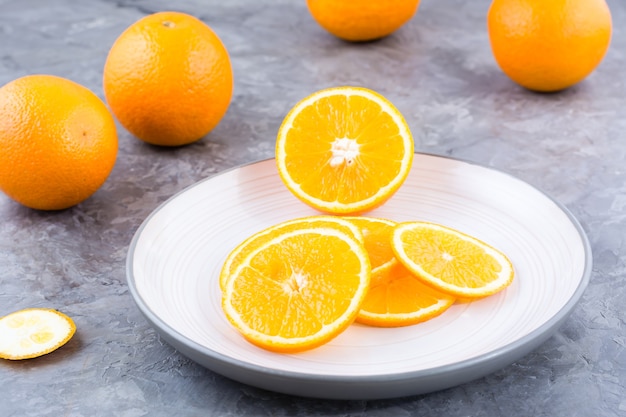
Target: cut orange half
x=298 y=290
x=33 y=332
x=344 y=150
x=451 y=261
x=238 y=254
x=396 y=296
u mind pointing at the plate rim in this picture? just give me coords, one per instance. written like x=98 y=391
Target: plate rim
x=487 y=362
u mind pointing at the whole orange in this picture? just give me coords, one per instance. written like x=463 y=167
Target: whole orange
x=362 y=20
x=549 y=45
x=168 y=79
x=58 y=142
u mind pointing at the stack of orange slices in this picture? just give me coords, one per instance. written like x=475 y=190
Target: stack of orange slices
x=298 y=284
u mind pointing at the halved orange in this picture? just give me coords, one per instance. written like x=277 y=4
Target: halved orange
x=451 y=261
x=344 y=150
x=33 y=332
x=396 y=296
x=238 y=254
x=298 y=290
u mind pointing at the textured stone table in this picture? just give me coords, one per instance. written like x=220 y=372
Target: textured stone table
x=439 y=72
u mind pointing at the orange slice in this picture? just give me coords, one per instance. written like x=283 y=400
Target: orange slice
x=33 y=332
x=396 y=296
x=344 y=150
x=451 y=261
x=298 y=290
x=238 y=254
x=376 y=238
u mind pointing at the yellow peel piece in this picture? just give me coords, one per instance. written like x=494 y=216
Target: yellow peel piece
x=33 y=332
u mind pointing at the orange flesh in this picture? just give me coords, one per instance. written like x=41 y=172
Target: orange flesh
x=367 y=134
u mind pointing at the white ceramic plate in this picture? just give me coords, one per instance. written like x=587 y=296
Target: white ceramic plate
x=175 y=257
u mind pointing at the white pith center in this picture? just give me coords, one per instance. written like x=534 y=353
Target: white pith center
x=296 y=282
x=447 y=257
x=345 y=151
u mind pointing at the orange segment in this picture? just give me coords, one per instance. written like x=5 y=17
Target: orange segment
x=398 y=298
x=237 y=255
x=299 y=290
x=344 y=150
x=33 y=332
x=451 y=261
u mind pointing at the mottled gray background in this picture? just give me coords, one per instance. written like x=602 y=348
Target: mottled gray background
x=439 y=72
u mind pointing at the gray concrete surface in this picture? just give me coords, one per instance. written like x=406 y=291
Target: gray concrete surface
x=439 y=71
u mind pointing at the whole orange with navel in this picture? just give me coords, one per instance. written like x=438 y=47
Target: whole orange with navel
x=168 y=79
x=58 y=142
x=549 y=45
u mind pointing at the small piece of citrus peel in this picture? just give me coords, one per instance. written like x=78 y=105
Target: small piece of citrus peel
x=34 y=332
